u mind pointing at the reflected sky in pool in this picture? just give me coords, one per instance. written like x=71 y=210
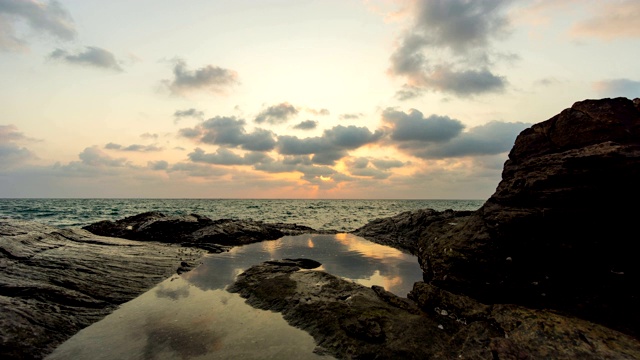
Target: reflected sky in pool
x=191 y=316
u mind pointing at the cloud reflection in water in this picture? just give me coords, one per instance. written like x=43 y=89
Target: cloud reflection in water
x=343 y=255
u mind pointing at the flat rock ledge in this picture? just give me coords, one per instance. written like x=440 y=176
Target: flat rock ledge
x=196 y=230
x=54 y=282
x=351 y=321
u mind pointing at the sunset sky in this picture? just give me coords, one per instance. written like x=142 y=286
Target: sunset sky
x=293 y=98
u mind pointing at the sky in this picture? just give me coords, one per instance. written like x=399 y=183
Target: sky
x=376 y=99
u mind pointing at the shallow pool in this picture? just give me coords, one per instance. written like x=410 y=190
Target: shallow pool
x=192 y=316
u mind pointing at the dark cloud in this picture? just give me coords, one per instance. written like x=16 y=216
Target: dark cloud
x=306 y=125
x=618 y=87
x=465 y=82
x=276 y=114
x=158 y=165
x=415 y=127
x=370 y=172
x=91 y=56
x=384 y=164
x=188 y=113
x=490 y=139
x=209 y=78
x=358 y=163
x=49 y=18
x=461 y=25
x=133 y=147
x=465 y=30
x=230 y=132
x=224 y=156
x=331 y=146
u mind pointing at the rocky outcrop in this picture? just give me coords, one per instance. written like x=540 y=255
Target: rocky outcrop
x=559 y=232
x=403 y=230
x=195 y=230
x=350 y=321
x=54 y=282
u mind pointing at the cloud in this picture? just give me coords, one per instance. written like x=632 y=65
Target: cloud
x=320 y=112
x=198 y=170
x=490 y=139
x=192 y=113
x=224 y=156
x=276 y=114
x=385 y=164
x=306 y=125
x=611 y=20
x=149 y=136
x=133 y=147
x=11 y=153
x=351 y=116
x=92 y=156
x=91 y=56
x=230 y=132
x=158 y=165
x=409 y=92
x=618 y=87
x=413 y=126
x=360 y=167
x=50 y=18
x=209 y=78
x=331 y=146
x=464 y=31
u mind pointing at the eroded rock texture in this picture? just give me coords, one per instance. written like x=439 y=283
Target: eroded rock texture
x=350 y=321
x=54 y=282
x=559 y=232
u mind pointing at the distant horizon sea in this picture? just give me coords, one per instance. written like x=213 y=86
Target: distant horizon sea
x=320 y=214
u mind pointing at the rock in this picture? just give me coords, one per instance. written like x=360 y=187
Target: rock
x=195 y=230
x=54 y=282
x=347 y=320
x=559 y=232
x=402 y=231
x=351 y=321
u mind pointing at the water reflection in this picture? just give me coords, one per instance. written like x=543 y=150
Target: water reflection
x=191 y=316
x=343 y=255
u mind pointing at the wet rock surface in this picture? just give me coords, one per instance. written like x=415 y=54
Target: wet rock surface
x=196 y=230
x=351 y=321
x=54 y=282
x=403 y=231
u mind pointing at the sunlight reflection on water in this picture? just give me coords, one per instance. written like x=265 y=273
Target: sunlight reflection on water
x=192 y=316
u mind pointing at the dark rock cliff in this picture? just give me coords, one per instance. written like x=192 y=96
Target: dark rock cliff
x=559 y=232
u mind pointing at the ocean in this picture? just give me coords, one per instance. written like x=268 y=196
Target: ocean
x=340 y=215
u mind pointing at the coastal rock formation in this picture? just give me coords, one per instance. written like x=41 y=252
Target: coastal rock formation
x=54 y=282
x=351 y=321
x=195 y=230
x=402 y=231
x=559 y=232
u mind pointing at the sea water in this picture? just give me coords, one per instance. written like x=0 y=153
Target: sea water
x=341 y=215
